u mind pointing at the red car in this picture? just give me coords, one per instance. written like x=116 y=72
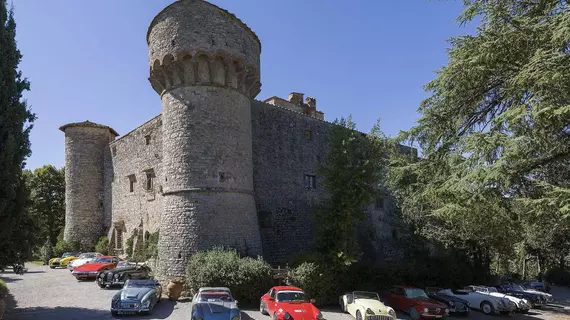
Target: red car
x=92 y=268
x=415 y=302
x=285 y=302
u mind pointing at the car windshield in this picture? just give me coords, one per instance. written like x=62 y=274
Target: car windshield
x=102 y=260
x=123 y=264
x=479 y=289
x=87 y=256
x=67 y=254
x=141 y=284
x=515 y=287
x=491 y=289
x=214 y=296
x=365 y=295
x=292 y=296
x=415 y=293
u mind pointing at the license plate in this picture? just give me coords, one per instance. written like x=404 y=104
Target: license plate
x=126 y=312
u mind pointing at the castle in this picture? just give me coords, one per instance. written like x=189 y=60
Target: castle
x=216 y=167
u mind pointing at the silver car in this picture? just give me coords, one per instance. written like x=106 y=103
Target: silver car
x=137 y=296
x=215 y=303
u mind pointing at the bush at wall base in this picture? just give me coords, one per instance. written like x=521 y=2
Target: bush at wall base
x=247 y=278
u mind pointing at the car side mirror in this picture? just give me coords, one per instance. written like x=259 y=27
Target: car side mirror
x=236 y=302
x=312 y=300
x=270 y=299
x=349 y=299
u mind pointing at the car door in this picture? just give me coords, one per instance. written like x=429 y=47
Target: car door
x=269 y=300
x=397 y=298
x=350 y=305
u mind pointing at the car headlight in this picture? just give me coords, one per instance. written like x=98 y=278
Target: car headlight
x=319 y=315
x=369 y=311
x=501 y=303
x=426 y=310
x=286 y=315
x=391 y=312
x=451 y=304
x=145 y=303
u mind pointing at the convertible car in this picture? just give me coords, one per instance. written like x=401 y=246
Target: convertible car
x=90 y=270
x=455 y=304
x=123 y=272
x=363 y=304
x=63 y=260
x=537 y=300
x=286 y=302
x=546 y=296
x=415 y=302
x=521 y=305
x=484 y=302
x=215 y=304
x=83 y=259
x=137 y=296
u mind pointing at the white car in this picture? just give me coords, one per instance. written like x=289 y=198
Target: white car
x=522 y=305
x=83 y=259
x=366 y=305
x=488 y=304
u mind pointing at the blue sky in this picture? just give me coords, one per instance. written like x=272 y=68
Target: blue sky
x=88 y=60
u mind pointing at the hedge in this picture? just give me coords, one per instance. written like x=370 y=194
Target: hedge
x=247 y=278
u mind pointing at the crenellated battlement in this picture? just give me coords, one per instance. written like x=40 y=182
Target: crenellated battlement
x=200 y=68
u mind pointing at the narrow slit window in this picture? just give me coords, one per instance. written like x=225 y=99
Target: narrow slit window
x=147 y=139
x=310 y=181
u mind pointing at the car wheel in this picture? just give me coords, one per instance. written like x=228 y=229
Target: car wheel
x=487 y=308
x=262 y=308
x=358 y=315
x=275 y=316
x=102 y=286
x=51 y=267
x=414 y=314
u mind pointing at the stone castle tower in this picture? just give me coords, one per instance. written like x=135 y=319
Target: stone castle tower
x=205 y=65
x=86 y=146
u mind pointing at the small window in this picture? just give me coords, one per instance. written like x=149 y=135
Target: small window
x=132 y=180
x=149 y=180
x=114 y=150
x=118 y=238
x=379 y=203
x=308 y=134
x=310 y=181
x=147 y=139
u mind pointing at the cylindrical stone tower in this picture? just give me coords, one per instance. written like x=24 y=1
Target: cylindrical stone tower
x=85 y=151
x=204 y=64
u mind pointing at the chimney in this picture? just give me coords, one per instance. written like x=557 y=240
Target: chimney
x=296 y=98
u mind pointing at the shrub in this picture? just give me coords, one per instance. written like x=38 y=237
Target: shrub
x=103 y=246
x=63 y=246
x=558 y=276
x=320 y=281
x=129 y=247
x=247 y=278
x=151 y=245
x=3 y=288
x=47 y=251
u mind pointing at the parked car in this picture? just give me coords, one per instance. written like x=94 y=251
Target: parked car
x=479 y=301
x=546 y=296
x=415 y=302
x=215 y=303
x=454 y=304
x=541 y=286
x=286 y=302
x=121 y=273
x=63 y=260
x=137 y=296
x=537 y=300
x=521 y=305
x=90 y=270
x=83 y=259
x=363 y=304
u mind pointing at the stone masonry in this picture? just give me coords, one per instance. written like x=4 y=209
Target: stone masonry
x=216 y=167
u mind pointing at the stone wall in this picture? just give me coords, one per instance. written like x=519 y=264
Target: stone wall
x=134 y=156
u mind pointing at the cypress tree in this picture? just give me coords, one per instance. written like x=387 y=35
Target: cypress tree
x=15 y=124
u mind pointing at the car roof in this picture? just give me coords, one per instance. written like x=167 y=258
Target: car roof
x=214 y=292
x=282 y=288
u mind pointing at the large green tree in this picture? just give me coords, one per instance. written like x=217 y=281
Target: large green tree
x=15 y=126
x=47 y=186
x=495 y=131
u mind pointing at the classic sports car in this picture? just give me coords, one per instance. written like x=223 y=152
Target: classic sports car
x=286 y=302
x=63 y=260
x=415 y=302
x=122 y=273
x=484 y=302
x=537 y=300
x=541 y=286
x=137 y=296
x=521 y=305
x=546 y=296
x=215 y=304
x=455 y=304
x=83 y=259
x=90 y=270
x=361 y=304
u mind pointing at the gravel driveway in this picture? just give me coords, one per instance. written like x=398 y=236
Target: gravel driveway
x=47 y=294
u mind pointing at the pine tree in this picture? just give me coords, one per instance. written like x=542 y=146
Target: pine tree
x=15 y=125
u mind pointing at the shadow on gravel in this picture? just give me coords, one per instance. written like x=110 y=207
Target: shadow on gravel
x=56 y=313
x=9 y=280
x=34 y=271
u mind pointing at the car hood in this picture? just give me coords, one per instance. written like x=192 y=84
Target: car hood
x=91 y=267
x=538 y=292
x=376 y=306
x=67 y=258
x=449 y=298
x=505 y=296
x=78 y=262
x=217 y=310
x=134 y=293
x=54 y=259
x=429 y=303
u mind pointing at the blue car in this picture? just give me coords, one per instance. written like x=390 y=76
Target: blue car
x=215 y=303
x=136 y=297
